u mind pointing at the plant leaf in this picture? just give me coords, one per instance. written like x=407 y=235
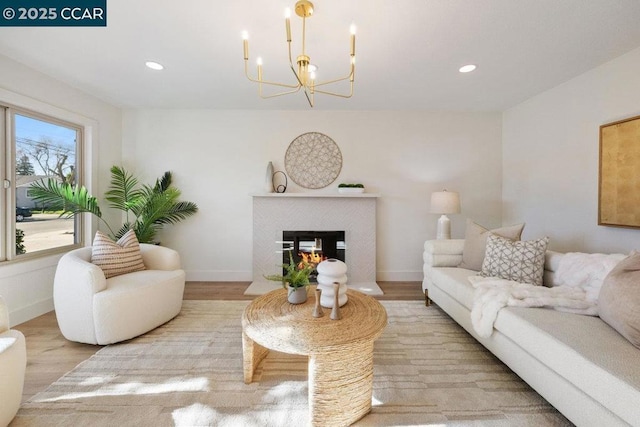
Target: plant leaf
x=71 y=200
x=122 y=193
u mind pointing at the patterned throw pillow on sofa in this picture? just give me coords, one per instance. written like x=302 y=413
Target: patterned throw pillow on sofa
x=520 y=261
x=116 y=258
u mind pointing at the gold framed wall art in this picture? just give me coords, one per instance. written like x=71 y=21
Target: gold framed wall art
x=619 y=174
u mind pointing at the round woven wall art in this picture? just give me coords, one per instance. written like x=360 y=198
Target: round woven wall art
x=313 y=160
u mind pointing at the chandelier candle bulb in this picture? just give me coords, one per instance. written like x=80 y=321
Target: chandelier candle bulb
x=245 y=44
x=287 y=15
x=352 y=30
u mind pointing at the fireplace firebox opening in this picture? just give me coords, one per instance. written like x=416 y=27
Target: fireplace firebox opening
x=312 y=247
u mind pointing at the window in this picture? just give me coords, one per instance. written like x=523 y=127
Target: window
x=37 y=148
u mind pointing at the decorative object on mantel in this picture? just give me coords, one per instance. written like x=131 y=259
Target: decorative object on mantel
x=295 y=280
x=618 y=194
x=335 y=311
x=350 y=188
x=445 y=202
x=279 y=188
x=331 y=271
x=317 y=309
x=305 y=75
x=268 y=179
x=313 y=160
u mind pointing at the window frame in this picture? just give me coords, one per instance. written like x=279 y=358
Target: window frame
x=12 y=103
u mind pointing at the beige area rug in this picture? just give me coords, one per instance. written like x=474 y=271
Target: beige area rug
x=188 y=372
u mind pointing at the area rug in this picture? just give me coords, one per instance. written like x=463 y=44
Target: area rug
x=260 y=288
x=188 y=372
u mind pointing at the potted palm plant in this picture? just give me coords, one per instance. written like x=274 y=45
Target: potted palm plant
x=295 y=280
x=147 y=208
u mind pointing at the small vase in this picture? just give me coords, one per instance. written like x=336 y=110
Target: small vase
x=297 y=295
x=268 y=179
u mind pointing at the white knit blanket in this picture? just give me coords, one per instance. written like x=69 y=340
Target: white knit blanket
x=575 y=289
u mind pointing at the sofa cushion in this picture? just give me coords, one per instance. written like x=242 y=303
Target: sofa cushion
x=116 y=258
x=455 y=283
x=475 y=242
x=518 y=261
x=582 y=349
x=619 y=299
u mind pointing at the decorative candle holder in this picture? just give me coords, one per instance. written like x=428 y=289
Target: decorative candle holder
x=332 y=271
x=317 y=310
x=335 y=311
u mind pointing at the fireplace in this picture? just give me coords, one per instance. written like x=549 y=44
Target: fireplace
x=312 y=247
x=354 y=213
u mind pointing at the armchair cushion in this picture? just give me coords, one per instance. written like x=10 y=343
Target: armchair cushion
x=116 y=258
x=13 y=363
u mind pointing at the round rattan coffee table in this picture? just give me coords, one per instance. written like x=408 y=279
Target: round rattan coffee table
x=340 y=351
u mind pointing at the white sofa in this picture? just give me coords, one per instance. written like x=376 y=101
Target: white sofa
x=94 y=310
x=13 y=363
x=579 y=364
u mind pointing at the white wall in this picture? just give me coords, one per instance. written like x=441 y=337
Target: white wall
x=550 y=157
x=27 y=285
x=219 y=159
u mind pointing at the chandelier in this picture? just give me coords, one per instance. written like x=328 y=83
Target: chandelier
x=303 y=70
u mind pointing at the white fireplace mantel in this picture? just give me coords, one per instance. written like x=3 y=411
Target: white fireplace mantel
x=316 y=195
x=355 y=213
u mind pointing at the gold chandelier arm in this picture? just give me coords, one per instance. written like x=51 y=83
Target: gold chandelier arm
x=309 y=98
x=349 y=77
x=246 y=72
x=287 y=92
x=337 y=94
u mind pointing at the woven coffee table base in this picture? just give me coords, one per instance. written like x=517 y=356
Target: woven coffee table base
x=340 y=352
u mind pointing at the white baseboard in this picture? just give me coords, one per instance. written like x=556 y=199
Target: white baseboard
x=31 y=311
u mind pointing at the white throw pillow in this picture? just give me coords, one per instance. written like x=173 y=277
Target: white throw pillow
x=116 y=258
x=475 y=242
x=520 y=261
x=619 y=300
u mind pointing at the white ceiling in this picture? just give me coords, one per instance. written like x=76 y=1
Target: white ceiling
x=408 y=51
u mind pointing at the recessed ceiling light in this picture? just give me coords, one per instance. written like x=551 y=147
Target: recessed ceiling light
x=154 y=65
x=467 y=68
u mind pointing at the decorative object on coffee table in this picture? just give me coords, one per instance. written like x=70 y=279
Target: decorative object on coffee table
x=332 y=271
x=313 y=160
x=317 y=310
x=340 y=353
x=295 y=280
x=335 y=311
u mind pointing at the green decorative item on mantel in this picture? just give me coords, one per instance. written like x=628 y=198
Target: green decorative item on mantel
x=350 y=188
x=151 y=207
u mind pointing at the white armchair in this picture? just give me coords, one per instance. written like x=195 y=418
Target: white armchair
x=13 y=363
x=94 y=310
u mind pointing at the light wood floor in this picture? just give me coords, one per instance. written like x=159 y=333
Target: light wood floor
x=50 y=355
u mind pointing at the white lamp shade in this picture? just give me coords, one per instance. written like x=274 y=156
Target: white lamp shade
x=445 y=202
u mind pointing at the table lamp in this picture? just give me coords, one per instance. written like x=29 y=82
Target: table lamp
x=445 y=202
